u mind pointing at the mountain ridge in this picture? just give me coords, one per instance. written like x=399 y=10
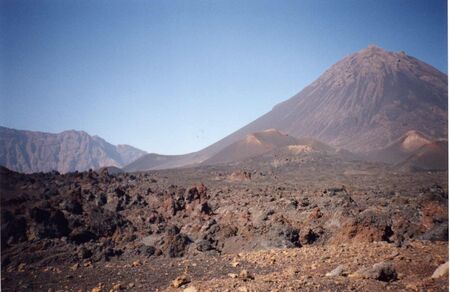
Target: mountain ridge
x=70 y=150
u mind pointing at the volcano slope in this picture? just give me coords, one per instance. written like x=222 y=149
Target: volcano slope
x=287 y=220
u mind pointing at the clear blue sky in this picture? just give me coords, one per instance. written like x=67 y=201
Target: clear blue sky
x=175 y=76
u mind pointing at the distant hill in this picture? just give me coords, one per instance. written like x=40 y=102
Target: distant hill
x=431 y=156
x=273 y=143
x=155 y=161
x=400 y=149
x=28 y=151
x=413 y=151
x=252 y=145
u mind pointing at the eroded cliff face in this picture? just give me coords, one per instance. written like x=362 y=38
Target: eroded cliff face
x=27 y=151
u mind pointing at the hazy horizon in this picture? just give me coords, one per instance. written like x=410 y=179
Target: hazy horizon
x=173 y=78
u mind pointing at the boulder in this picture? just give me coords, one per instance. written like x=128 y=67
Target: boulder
x=440 y=271
x=48 y=223
x=338 y=271
x=383 y=271
x=174 y=245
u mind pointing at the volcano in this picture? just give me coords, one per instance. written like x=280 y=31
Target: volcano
x=363 y=103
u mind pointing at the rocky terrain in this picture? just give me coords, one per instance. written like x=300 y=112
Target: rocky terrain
x=28 y=151
x=279 y=205
x=285 y=220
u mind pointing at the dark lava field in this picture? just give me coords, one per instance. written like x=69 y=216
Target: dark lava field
x=309 y=222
